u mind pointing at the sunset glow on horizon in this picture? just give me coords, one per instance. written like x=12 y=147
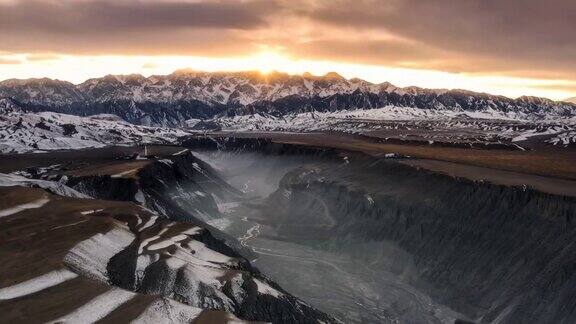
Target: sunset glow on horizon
x=404 y=42
x=77 y=69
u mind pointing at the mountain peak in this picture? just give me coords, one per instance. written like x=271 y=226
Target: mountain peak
x=572 y=100
x=33 y=81
x=334 y=76
x=276 y=76
x=185 y=71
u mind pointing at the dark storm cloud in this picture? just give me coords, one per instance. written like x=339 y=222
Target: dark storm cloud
x=528 y=32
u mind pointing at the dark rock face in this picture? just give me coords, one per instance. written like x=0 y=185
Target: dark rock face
x=105 y=187
x=265 y=146
x=187 y=184
x=42 y=125
x=69 y=129
x=148 y=113
x=180 y=188
x=206 y=126
x=487 y=251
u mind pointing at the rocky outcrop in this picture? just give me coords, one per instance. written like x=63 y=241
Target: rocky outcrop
x=181 y=187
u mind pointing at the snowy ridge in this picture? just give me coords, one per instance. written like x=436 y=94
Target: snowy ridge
x=57 y=188
x=36 y=284
x=168 y=259
x=32 y=132
x=489 y=125
x=223 y=88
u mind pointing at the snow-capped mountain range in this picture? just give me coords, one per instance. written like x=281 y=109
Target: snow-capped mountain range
x=172 y=99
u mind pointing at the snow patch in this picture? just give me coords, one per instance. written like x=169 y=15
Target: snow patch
x=206 y=254
x=31 y=132
x=31 y=205
x=181 y=152
x=167 y=242
x=90 y=257
x=139 y=197
x=220 y=223
x=42 y=282
x=265 y=289
x=91 y=211
x=8 y=180
x=168 y=310
x=122 y=174
x=98 y=307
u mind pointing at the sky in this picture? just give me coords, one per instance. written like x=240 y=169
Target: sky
x=512 y=47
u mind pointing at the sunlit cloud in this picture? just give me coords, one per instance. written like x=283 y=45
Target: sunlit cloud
x=41 y=57
x=9 y=61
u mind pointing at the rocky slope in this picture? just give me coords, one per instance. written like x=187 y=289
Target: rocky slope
x=143 y=253
x=493 y=253
x=174 y=98
x=180 y=187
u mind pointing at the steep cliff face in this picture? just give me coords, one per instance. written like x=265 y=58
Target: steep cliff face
x=181 y=187
x=259 y=145
x=494 y=253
